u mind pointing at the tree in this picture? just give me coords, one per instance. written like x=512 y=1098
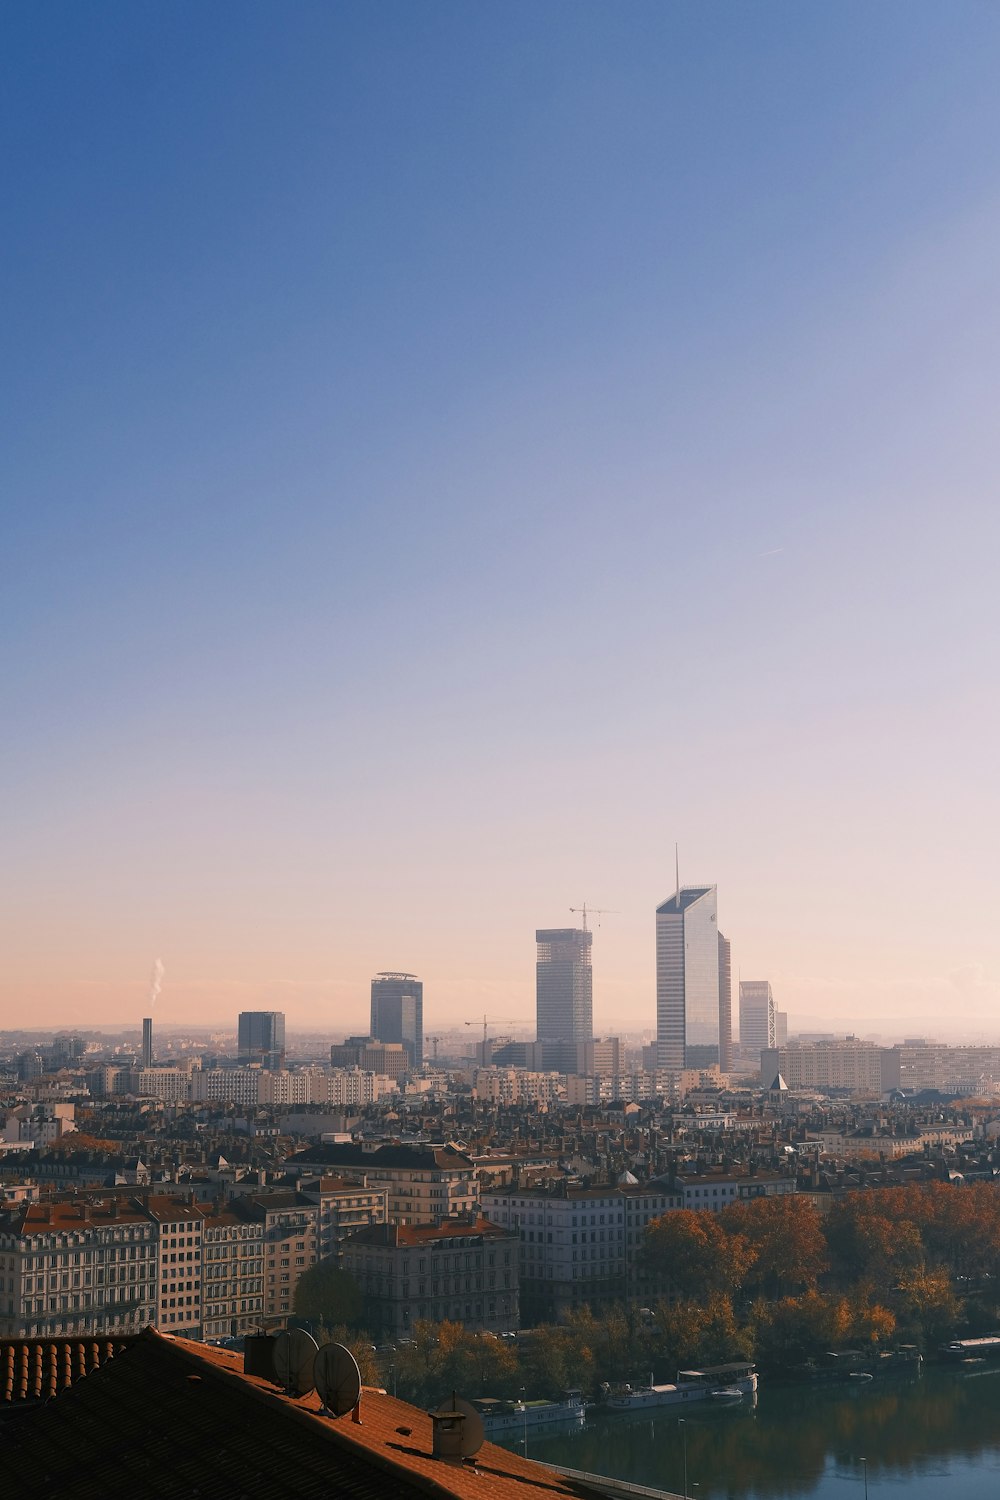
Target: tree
x=786 y=1239
x=689 y=1334
x=795 y=1329
x=927 y=1306
x=866 y=1243
x=698 y=1254
x=874 y=1324
x=328 y=1295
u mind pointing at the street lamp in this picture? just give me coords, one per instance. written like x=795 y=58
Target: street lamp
x=682 y=1424
x=524 y=1413
x=864 y=1469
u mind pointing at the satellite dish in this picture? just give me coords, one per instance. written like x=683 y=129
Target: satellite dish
x=294 y=1353
x=473 y=1432
x=337 y=1379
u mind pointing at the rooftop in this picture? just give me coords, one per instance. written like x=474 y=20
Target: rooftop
x=682 y=899
x=424 y=1234
x=167 y=1418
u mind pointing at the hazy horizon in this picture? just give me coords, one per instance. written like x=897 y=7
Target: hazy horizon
x=454 y=453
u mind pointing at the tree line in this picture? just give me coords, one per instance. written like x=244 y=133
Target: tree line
x=776 y=1280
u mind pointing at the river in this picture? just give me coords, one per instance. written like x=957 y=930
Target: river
x=932 y=1435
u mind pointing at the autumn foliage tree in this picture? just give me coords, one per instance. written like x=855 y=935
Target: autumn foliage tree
x=786 y=1241
x=698 y=1253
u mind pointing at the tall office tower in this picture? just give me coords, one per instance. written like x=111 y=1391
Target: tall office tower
x=398 y=1013
x=781 y=1028
x=564 y=994
x=262 y=1037
x=756 y=1015
x=147 y=1042
x=693 y=985
x=725 y=1004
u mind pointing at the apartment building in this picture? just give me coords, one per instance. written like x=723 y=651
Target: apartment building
x=513 y=1086
x=424 y=1184
x=364 y=1052
x=290 y=1225
x=232 y=1274
x=265 y=1086
x=578 y=1245
x=344 y=1208
x=466 y=1271
x=76 y=1268
x=861 y=1067
x=179 y=1224
x=715 y=1188
x=169 y=1084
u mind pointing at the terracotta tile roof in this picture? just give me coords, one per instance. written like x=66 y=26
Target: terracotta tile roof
x=422 y=1234
x=37 y=1369
x=169 y=1418
x=68 y=1217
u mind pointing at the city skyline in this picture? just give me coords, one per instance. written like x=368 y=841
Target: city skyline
x=455 y=452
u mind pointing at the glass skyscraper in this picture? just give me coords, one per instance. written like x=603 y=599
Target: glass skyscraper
x=398 y=1013
x=757 y=1015
x=693 y=983
x=564 y=994
x=262 y=1037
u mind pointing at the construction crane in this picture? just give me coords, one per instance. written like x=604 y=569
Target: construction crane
x=597 y=911
x=493 y=1021
x=434 y=1043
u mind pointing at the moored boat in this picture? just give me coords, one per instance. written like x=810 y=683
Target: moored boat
x=638 y=1398
x=729 y=1382
x=516 y=1416
x=738 y=1375
x=986 y=1347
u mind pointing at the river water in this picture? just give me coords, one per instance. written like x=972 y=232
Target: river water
x=933 y=1435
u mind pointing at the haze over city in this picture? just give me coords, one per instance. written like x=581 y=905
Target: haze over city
x=453 y=453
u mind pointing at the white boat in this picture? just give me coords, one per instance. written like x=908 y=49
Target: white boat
x=722 y=1383
x=516 y=1416
x=637 y=1398
x=738 y=1375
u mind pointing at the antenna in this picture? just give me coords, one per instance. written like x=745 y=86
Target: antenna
x=294 y=1355
x=338 y=1379
x=677 y=871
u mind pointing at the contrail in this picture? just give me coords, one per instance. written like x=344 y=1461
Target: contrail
x=772 y=553
x=156 y=982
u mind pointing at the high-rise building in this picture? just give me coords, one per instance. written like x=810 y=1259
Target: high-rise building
x=564 y=994
x=757 y=1015
x=781 y=1028
x=262 y=1037
x=147 y=1042
x=398 y=1013
x=693 y=982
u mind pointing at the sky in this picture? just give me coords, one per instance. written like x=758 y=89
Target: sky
x=454 y=452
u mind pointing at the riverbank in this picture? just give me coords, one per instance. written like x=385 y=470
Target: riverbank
x=933 y=1433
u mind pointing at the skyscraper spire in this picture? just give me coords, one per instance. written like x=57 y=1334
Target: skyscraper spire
x=677 y=873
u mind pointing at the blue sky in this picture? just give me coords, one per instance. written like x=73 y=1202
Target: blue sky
x=453 y=451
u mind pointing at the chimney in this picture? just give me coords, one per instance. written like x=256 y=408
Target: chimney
x=448 y=1439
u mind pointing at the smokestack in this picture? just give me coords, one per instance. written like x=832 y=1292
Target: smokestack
x=147 y=1042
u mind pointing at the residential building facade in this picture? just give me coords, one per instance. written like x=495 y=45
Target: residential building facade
x=465 y=1271
x=83 y=1267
